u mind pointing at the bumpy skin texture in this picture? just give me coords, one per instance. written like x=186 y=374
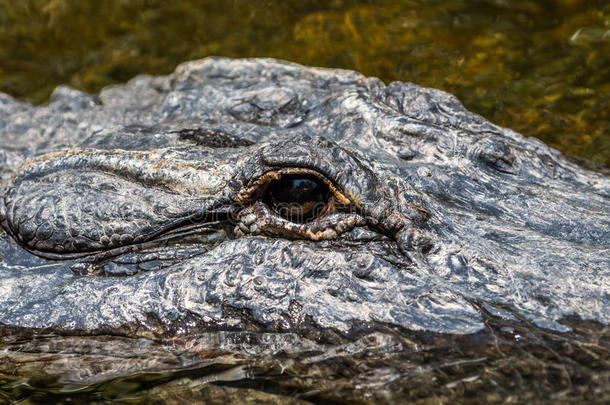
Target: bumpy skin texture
x=451 y=210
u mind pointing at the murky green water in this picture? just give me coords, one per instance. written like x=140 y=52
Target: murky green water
x=540 y=67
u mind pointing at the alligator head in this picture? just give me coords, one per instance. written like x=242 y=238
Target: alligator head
x=290 y=194
x=260 y=194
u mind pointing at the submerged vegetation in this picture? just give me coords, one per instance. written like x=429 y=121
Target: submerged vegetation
x=539 y=67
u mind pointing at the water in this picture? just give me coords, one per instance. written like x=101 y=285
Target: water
x=508 y=362
x=539 y=67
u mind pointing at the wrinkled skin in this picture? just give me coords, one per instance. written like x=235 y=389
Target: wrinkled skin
x=141 y=212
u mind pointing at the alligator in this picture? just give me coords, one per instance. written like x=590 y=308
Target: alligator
x=288 y=209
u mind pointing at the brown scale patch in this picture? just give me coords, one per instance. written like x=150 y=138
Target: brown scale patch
x=268 y=223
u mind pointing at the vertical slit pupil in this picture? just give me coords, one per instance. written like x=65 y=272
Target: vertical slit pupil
x=296 y=197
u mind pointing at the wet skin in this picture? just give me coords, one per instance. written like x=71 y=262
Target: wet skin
x=260 y=195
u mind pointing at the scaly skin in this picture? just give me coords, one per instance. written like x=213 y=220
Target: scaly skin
x=451 y=219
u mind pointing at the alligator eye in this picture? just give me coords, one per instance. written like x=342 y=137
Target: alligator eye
x=299 y=198
x=295 y=203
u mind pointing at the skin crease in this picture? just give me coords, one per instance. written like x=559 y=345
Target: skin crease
x=142 y=211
